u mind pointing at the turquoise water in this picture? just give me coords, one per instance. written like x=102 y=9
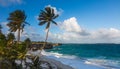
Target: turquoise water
x=103 y=54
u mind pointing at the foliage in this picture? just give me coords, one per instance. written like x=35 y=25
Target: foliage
x=47 y=16
x=10 y=39
x=27 y=42
x=17 y=21
x=10 y=52
x=2 y=39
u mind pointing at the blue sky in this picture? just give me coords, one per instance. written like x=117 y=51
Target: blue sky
x=90 y=16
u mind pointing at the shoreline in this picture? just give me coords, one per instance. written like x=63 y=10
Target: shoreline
x=64 y=63
x=55 y=64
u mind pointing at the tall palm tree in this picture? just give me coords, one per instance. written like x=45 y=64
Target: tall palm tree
x=17 y=22
x=47 y=16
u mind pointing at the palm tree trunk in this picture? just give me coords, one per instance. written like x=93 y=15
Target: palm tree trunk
x=46 y=38
x=18 y=36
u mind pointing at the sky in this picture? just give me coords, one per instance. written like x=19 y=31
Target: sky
x=79 y=21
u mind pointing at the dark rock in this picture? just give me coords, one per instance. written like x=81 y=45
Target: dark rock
x=48 y=46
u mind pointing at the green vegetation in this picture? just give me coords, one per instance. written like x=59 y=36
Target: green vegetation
x=27 y=42
x=12 y=50
x=47 y=16
x=10 y=39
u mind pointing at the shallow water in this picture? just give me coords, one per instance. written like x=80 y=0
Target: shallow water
x=104 y=55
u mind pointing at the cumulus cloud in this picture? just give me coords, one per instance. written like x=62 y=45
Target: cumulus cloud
x=73 y=33
x=9 y=2
x=71 y=25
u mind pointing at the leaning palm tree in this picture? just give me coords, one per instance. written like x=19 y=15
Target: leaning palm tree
x=47 y=16
x=17 y=22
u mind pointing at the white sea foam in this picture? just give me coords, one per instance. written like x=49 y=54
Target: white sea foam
x=109 y=64
x=72 y=61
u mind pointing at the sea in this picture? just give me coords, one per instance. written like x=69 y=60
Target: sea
x=106 y=56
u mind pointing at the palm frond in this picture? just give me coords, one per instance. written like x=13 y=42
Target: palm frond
x=47 y=16
x=43 y=14
x=48 y=10
x=55 y=16
x=41 y=18
x=53 y=13
x=17 y=20
x=22 y=26
x=48 y=25
x=42 y=22
x=54 y=22
x=27 y=23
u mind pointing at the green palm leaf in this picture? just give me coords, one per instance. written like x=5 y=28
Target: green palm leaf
x=48 y=25
x=42 y=22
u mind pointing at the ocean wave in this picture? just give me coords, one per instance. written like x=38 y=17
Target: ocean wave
x=72 y=61
x=58 y=55
x=108 y=64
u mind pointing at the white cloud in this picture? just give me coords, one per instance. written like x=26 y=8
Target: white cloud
x=73 y=33
x=10 y=2
x=71 y=25
x=57 y=11
x=4 y=27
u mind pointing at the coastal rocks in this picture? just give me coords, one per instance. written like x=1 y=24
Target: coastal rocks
x=4 y=64
x=48 y=46
x=37 y=46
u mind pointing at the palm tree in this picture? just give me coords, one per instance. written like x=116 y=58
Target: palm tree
x=47 y=16
x=17 y=22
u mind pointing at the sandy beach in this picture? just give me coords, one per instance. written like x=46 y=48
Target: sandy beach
x=59 y=63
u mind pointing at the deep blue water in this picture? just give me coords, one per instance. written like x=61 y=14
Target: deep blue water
x=108 y=54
